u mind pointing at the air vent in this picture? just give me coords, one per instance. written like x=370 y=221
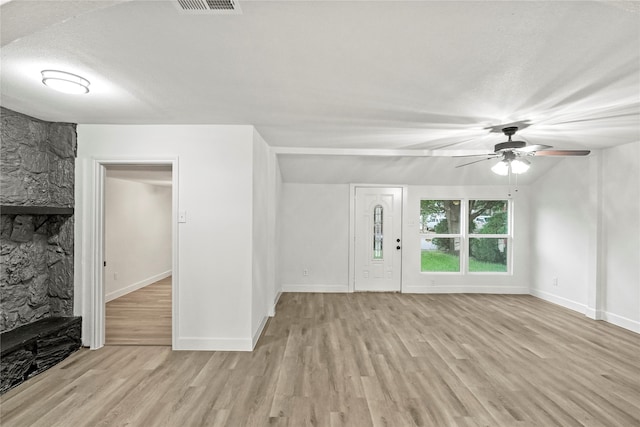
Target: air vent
x=209 y=7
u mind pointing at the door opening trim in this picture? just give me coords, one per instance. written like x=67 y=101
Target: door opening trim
x=95 y=311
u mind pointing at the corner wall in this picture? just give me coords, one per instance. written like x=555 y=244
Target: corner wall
x=586 y=233
x=214 y=274
x=621 y=220
x=276 y=209
x=562 y=213
x=262 y=232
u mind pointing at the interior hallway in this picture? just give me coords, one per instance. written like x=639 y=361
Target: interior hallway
x=142 y=317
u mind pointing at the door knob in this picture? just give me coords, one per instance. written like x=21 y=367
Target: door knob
x=398 y=247
x=398 y=240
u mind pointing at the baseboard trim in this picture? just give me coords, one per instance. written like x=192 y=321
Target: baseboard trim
x=614 y=319
x=214 y=344
x=135 y=286
x=421 y=289
x=623 y=322
x=256 y=335
x=272 y=309
x=562 y=301
x=316 y=288
x=594 y=314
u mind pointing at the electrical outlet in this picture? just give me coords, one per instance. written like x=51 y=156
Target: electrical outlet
x=555 y=281
x=305 y=272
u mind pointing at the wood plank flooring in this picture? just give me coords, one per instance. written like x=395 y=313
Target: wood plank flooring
x=142 y=317
x=364 y=359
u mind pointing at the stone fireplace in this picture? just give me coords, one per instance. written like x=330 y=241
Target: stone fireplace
x=37 y=268
x=36 y=246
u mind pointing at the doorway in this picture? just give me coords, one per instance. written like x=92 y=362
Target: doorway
x=378 y=245
x=98 y=262
x=137 y=254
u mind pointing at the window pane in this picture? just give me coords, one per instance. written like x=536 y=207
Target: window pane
x=377 y=232
x=488 y=254
x=440 y=216
x=440 y=254
x=488 y=216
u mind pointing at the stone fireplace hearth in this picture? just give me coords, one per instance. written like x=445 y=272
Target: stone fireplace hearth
x=36 y=246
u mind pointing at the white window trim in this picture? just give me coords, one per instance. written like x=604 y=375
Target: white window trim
x=465 y=237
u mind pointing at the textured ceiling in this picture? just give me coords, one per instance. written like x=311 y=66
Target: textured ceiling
x=336 y=74
x=153 y=175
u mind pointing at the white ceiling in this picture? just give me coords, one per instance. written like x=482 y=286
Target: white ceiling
x=366 y=75
x=146 y=174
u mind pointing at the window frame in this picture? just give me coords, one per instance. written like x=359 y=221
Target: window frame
x=458 y=235
x=465 y=237
x=507 y=236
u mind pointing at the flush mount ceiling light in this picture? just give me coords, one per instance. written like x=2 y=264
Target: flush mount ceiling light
x=65 y=82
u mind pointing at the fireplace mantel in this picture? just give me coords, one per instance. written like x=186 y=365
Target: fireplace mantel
x=34 y=210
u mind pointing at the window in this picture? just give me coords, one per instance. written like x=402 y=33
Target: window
x=441 y=235
x=464 y=235
x=488 y=235
x=377 y=232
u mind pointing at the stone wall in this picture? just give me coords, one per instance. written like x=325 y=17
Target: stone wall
x=36 y=277
x=37 y=161
x=37 y=165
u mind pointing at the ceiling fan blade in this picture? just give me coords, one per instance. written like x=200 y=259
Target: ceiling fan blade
x=476 y=161
x=562 y=153
x=474 y=155
x=534 y=147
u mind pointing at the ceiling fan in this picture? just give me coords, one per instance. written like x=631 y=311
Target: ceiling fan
x=512 y=154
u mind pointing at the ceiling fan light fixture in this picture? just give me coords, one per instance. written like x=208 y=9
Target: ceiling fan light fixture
x=519 y=166
x=65 y=82
x=512 y=154
x=501 y=168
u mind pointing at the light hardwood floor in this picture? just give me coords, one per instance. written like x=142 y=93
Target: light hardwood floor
x=142 y=317
x=357 y=360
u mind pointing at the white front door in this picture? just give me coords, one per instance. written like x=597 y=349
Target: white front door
x=378 y=230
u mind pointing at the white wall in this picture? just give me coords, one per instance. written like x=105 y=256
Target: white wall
x=277 y=234
x=137 y=235
x=621 y=221
x=586 y=232
x=560 y=222
x=262 y=282
x=314 y=236
x=214 y=274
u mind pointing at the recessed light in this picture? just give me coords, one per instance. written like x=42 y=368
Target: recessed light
x=65 y=82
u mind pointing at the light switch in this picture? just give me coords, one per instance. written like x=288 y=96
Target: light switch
x=182 y=216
